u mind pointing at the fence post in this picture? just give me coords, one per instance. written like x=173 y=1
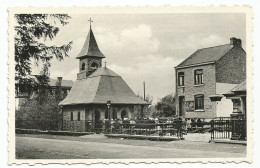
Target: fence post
x=212 y=130
x=162 y=130
x=145 y=129
x=180 y=126
x=130 y=129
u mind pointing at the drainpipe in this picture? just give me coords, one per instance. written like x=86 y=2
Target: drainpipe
x=62 y=118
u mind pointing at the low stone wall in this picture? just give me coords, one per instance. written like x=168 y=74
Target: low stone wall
x=50 y=132
x=74 y=126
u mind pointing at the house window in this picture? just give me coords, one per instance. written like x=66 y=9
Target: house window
x=199 y=102
x=83 y=66
x=236 y=105
x=198 y=76
x=181 y=79
x=71 y=116
x=79 y=116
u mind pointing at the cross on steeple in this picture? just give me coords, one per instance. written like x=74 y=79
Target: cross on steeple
x=90 y=21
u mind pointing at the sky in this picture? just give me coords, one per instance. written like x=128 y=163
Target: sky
x=145 y=47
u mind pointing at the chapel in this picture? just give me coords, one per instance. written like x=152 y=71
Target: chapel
x=98 y=93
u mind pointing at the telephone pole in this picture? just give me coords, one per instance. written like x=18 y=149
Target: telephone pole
x=144 y=90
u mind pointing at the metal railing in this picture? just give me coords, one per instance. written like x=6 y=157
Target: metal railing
x=147 y=129
x=228 y=128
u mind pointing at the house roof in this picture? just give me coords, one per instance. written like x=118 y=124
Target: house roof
x=99 y=87
x=206 y=55
x=241 y=87
x=90 y=47
x=64 y=83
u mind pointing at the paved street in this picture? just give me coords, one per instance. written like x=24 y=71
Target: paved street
x=99 y=146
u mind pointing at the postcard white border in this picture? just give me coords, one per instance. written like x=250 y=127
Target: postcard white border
x=120 y=10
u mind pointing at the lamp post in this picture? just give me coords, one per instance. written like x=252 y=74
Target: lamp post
x=108 y=107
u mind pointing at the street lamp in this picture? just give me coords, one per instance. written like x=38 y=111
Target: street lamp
x=108 y=107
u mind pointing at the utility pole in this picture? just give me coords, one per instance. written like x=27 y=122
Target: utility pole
x=144 y=90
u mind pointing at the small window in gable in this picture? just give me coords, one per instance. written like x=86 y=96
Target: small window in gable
x=181 y=79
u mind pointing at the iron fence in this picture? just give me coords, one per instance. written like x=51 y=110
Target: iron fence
x=149 y=129
x=228 y=128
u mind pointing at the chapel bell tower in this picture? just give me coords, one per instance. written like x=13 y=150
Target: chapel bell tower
x=90 y=57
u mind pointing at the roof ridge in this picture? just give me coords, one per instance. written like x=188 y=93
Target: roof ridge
x=190 y=59
x=102 y=75
x=95 y=95
x=214 y=46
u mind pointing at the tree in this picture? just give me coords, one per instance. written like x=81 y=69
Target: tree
x=166 y=106
x=31 y=31
x=41 y=111
x=148 y=99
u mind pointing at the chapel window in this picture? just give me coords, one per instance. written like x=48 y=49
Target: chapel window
x=79 y=116
x=199 y=102
x=94 y=65
x=198 y=77
x=123 y=114
x=181 y=79
x=106 y=114
x=114 y=114
x=71 y=116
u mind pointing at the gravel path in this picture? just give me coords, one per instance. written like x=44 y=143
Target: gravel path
x=98 y=146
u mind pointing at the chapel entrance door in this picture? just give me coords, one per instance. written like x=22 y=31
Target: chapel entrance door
x=97 y=121
x=181 y=105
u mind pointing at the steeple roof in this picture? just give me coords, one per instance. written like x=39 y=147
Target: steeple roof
x=90 y=47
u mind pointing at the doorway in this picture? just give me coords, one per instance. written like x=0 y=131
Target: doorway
x=97 y=121
x=123 y=114
x=114 y=116
x=181 y=105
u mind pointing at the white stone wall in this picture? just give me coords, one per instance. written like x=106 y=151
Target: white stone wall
x=224 y=107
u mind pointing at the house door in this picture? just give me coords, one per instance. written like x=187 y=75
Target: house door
x=181 y=105
x=97 y=121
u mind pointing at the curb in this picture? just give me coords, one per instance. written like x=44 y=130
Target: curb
x=229 y=141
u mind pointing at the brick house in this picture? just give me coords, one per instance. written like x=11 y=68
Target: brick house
x=22 y=97
x=86 y=107
x=209 y=71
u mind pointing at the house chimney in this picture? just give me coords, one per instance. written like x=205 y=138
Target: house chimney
x=59 y=79
x=236 y=42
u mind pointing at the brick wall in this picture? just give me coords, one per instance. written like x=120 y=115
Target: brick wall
x=231 y=68
x=190 y=90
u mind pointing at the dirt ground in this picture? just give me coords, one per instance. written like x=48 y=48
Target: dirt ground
x=99 y=146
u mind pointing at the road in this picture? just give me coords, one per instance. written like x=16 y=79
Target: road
x=92 y=147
